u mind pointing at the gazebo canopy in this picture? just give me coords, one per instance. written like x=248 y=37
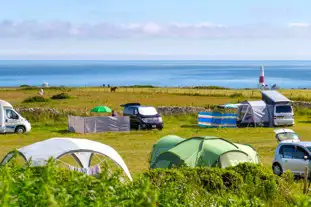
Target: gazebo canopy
x=81 y=149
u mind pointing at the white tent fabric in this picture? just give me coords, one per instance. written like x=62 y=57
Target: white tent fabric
x=1 y=117
x=81 y=149
x=255 y=112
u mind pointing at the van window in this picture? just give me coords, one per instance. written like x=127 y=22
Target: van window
x=283 y=109
x=10 y=114
x=128 y=110
x=147 y=111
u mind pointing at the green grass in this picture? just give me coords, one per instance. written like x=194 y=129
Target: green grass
x=135 y=146
x=46 y=126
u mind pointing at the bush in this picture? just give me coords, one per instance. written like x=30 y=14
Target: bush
x=61 y=96
x=35 y=99
x=24 y=86
x=243 y=185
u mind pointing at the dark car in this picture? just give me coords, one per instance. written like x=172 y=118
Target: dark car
x=143 y=117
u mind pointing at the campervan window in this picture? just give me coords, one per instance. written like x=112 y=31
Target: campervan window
x=10 y=114
x=147 y=111
x=283 y=109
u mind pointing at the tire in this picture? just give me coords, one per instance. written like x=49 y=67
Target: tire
x=20 y=129
x=277 y=169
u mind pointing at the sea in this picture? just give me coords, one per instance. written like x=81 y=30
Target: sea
x=168 y=73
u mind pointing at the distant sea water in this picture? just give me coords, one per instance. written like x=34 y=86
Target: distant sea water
x=233 y=74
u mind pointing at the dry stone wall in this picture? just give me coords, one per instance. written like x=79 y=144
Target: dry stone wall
x=164 y=110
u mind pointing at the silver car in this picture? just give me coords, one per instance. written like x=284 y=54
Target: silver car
x=291 y=154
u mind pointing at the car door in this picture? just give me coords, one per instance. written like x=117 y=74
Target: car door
x=136 y=120
x=11 y=120
x=287 y=160
x=300 y=162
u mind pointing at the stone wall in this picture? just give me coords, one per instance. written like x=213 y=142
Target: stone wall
x=51 y=111
x=179 y=110
x=164 y=110
x=302 y=104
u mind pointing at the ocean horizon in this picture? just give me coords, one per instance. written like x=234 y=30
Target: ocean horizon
x=163 y=73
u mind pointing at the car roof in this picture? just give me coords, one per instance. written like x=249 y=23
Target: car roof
x=303 y=144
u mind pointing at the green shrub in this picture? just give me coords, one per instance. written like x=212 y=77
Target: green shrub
x=61 y=96
x=24 y=86
x=243 y=185
x=35 y=99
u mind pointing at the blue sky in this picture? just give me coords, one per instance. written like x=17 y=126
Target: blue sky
x=162 y=29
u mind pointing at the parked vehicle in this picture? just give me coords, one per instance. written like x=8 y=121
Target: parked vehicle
x=143 y=117
x=11 y=121
x=291 y=154
x=283 y=113
x=273 y=110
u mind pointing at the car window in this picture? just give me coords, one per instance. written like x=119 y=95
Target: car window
x=299 y=153
x=135 y=111
x=288 y=151
x=287 y=136
x=283 y=109
x=10 y=114
x=128 y=110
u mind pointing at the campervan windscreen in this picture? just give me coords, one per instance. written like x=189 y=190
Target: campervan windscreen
x=147 y=111
x=283 y=109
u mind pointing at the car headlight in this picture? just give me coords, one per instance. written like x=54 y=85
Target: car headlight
x=160 y=119
x=145 y=120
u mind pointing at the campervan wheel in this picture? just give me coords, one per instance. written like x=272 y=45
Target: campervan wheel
x=20 y=130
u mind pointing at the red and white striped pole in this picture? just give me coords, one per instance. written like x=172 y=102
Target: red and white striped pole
x=262 y=76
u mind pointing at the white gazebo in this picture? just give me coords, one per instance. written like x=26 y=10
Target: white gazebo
x=82 y=151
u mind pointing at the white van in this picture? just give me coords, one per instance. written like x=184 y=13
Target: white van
x=283 y=114
x=11 y=121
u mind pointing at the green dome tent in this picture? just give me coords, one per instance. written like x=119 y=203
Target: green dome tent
x=163 y=145
x=200 y=151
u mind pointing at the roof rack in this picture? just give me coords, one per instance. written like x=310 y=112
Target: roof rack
x=130 y=104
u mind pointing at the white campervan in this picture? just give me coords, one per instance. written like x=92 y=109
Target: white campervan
x=11 y=121
x=281 y=106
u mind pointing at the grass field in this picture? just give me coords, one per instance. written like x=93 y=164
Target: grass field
x=135 y=147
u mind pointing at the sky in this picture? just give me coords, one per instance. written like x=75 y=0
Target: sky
x=162 y=29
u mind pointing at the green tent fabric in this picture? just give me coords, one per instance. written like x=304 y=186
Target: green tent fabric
x=200 y=151
x=164 y=144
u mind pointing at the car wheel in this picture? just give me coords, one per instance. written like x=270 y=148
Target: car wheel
x=277 y=169
x=20 y=130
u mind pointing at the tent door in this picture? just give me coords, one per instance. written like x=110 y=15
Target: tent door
x=286 y=135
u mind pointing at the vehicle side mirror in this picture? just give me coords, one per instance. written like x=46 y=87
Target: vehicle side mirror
x=305 y=157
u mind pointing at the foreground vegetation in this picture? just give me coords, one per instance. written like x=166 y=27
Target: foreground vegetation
x=243 y=185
